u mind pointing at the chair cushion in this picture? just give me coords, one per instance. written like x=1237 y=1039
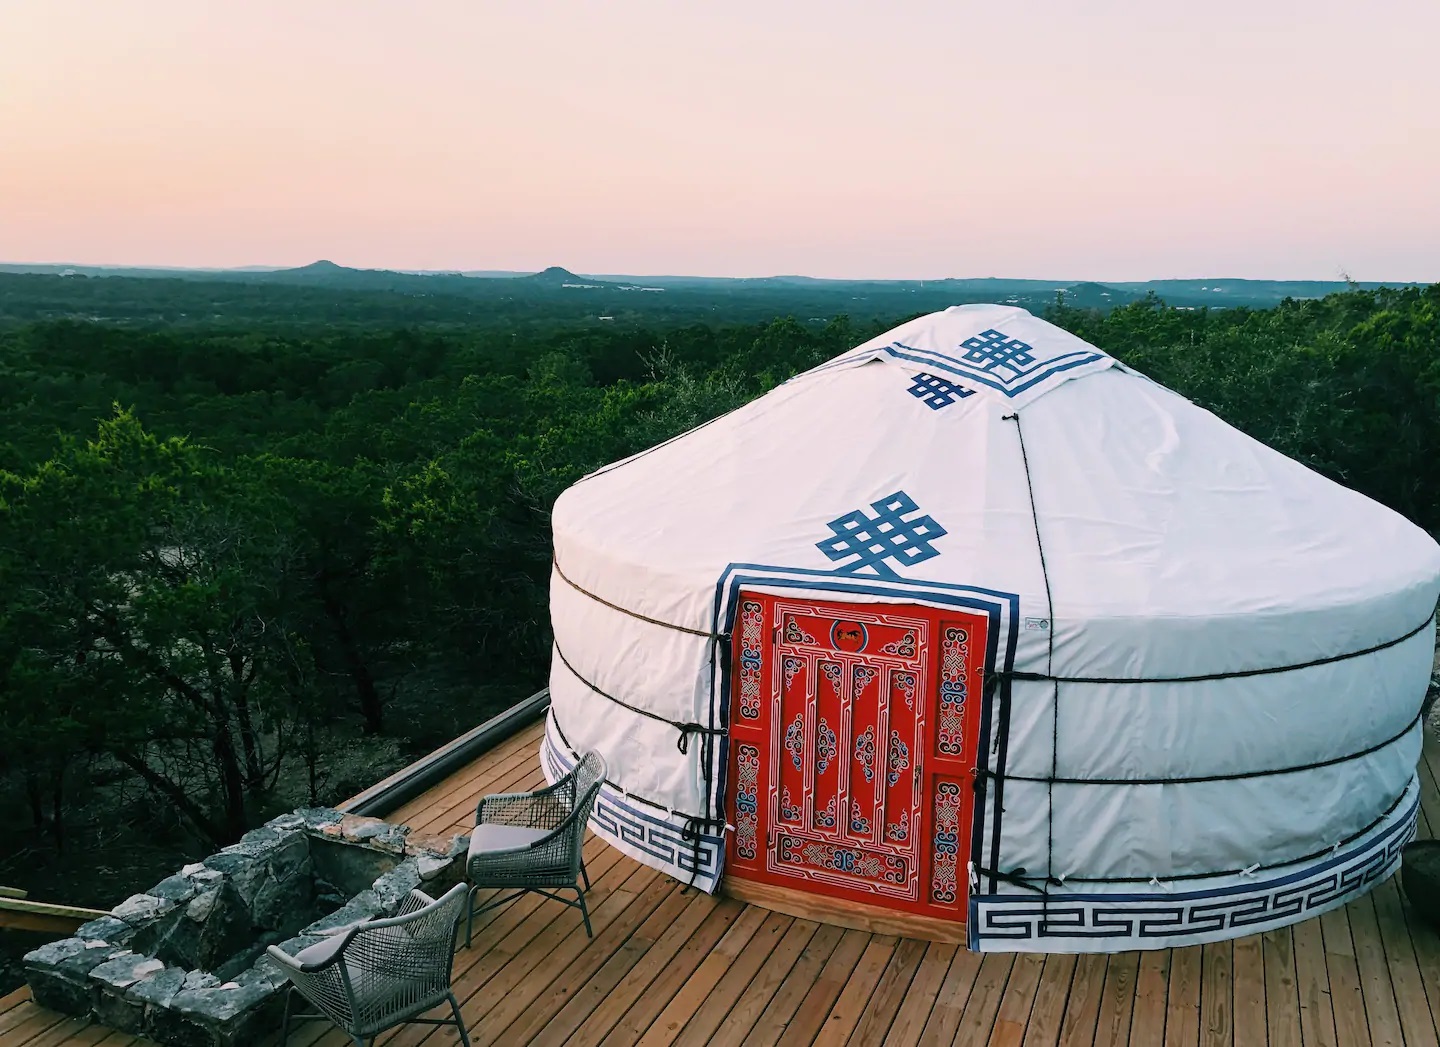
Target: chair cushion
x=502 y=837
x=322 y=951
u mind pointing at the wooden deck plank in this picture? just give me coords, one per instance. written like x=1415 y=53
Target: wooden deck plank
x=1282 y=996
x=598 y=1004
x=30 y=1023
x=693 y=990
x=651 y=999
x=1416 y=1022
x=945 y=1016
x=1426 y=941
x=1248 y=982
x=1050 y=999
x=505 y=946
x=457 y=806
x=473 y=779
x=1152 y=990
x=786 y=1000
x=74 y=1032
x=978 y=1020
x=1346 y=998
x=745 y=1013
x=705 y=1019
x=516 y=756
x=530 y=1008
x=1317 y=1020
x=11 y=1000
x=889 y=994
x=845 y=1014
x=921 y=997
x=457 y=811
x=1217 y=995
x=1381 y=1014
x=1117 y=1003
x=1182 y=1003
x=1082 y=1010
x=1019 y=1000
x=821 y=997
x=537 y=966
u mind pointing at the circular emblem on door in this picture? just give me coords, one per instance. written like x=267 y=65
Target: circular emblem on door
x=848 y=636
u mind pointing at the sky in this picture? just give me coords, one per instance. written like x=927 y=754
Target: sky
x=1105 y=139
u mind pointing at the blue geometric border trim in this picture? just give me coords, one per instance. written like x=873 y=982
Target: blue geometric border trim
x=645 y=835
x=973 y=373
x=1116 y=922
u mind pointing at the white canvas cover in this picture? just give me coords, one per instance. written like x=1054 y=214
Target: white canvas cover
x=1235 y=645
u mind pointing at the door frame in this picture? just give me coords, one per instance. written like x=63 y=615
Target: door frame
x=756 y=657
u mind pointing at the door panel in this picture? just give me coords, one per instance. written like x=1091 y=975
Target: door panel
x=851 y=750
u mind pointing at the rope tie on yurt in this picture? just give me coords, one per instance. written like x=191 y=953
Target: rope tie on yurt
x=554 y=563
x=695 y=825
x=685 y=729
x=1049 y=670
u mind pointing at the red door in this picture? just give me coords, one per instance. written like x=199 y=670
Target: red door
x=853 y=731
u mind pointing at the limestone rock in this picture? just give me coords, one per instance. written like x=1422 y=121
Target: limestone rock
x=395 y=886
x=106 y=929
x=140 y=908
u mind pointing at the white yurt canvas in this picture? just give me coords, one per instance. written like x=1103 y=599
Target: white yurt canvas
x=974 y=624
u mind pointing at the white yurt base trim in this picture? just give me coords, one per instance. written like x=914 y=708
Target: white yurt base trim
x=1228 y=907
x=647 y=833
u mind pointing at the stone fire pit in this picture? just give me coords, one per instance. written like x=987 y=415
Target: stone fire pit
x=184 y=963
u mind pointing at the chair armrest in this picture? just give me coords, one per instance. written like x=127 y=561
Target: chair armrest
x=289 y=963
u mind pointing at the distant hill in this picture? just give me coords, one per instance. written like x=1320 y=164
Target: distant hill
x=101 y=292
x=555 y=276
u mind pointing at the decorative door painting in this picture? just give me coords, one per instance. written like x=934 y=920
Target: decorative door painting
x=853 y=732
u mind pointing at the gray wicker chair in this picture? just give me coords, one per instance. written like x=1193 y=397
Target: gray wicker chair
x=381 y=973
x=534 y=841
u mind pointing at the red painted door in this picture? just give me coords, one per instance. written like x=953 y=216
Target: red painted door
x=853 y=732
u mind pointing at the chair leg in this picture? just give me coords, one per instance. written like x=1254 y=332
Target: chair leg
x=285 y=1023
x=459 y=1022
x=584 y=875
x=584 y=912
x=469 y=914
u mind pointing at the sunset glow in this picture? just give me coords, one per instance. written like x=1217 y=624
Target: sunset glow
x=1107 y=140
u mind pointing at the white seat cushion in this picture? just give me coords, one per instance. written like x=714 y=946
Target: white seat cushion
x=502 y=837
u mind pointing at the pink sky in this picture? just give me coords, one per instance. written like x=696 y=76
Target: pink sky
x=1111 y=139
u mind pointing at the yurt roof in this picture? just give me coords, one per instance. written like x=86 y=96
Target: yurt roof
x=982 y=446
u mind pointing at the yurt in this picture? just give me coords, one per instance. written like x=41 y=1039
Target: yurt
x=975 y=634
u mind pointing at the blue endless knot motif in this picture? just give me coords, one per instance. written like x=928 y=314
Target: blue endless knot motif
x=935 y=392
x=991 y=349
x=887 y=535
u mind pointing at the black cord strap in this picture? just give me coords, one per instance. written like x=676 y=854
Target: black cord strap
x=691 y=819
x=634 y=614
x=1206 y=677
x=685 y=729
x=1192 y=779
x=1049 y=667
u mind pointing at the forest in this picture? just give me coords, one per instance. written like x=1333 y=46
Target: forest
x=250 y=566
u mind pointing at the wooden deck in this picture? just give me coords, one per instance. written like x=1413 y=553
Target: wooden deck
x=670 y=965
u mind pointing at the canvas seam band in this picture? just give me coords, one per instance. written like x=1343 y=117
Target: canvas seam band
x=634 y=614
x=685 y=729
x=1019 y=878
x=1234 y=777
x=1207 y=677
